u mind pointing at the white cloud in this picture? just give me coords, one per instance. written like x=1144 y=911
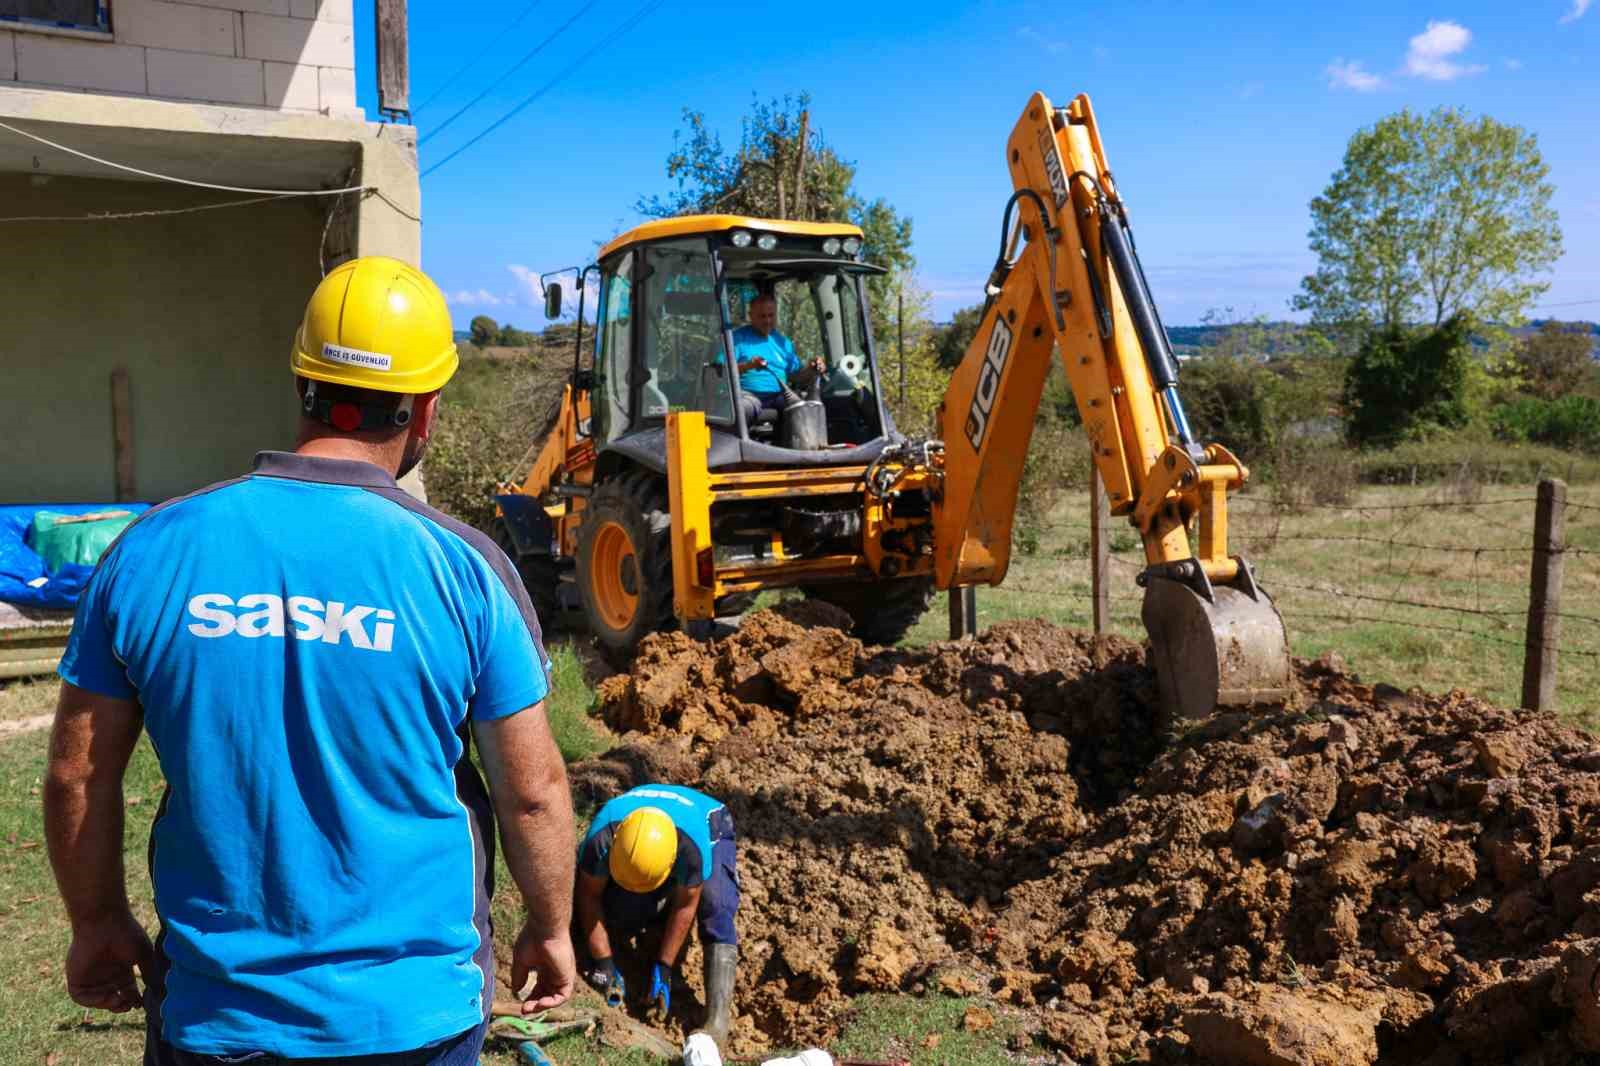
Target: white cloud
x=479 y=298
x=1578 y=9
x=529 y=280
x=1342 y=75
x=533 y=295
x=1429 y=53
x=1054 y=47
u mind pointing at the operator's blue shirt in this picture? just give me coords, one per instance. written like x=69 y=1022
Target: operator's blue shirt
x=776 y=349
x=308 y=644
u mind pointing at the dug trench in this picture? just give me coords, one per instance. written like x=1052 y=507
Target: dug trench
x=1363 y=875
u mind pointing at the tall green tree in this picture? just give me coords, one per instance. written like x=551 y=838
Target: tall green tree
x=782 y=167
x=1430 y=216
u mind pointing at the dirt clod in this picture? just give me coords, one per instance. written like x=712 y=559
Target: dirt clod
x=1366 y=875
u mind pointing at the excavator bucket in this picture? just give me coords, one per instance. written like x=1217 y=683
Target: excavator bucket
x=1228 y=651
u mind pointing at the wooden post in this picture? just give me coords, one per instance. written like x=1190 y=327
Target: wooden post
x=1544 y=600
x=1099 y=552
x=394 y=67
x=900 y=324
x=963 y=612
x=122 y=434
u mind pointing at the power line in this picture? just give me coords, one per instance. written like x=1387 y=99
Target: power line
x=117 y=216
x=1569 y=303
x=638 y=17
x=471 y=63
x=181 y=181
x=470 y=104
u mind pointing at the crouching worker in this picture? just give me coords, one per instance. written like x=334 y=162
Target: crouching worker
x=658 y=858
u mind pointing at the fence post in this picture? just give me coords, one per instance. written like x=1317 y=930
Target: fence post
x=1099 y=552
x=963 y=612
x=1544 y=601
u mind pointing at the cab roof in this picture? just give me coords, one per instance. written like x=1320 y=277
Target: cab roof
x=690 y=225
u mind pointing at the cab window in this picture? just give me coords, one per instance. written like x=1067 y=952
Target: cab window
x=683 y=364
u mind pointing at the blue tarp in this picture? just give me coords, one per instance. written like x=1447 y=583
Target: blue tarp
x=21 y=568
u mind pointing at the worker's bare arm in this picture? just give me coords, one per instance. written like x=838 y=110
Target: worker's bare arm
x=533 y=806
x=682 y=907
x=591 y=924
x=90 y=744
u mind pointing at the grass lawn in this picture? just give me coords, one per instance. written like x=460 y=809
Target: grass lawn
x=1335 y=574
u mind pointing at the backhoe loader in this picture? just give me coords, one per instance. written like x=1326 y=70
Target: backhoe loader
x=657 y=500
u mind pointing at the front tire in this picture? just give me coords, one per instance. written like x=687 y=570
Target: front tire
x=624 y=565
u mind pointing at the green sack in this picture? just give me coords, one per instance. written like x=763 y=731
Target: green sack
x=74 y=541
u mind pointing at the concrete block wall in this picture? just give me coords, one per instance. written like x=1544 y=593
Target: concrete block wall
x=288 y=55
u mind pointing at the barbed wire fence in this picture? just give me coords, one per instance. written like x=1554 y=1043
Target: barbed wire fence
x=1492 y=590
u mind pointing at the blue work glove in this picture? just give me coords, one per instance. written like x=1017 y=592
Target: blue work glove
x=606 y=979
x=660 y=990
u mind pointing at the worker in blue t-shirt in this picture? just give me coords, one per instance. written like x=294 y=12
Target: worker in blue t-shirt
x=660 y=857
x=767 y=362
x=312 y=651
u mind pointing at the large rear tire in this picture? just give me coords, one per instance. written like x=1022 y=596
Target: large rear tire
x=539 y=576
x=883 y=611
x=625 y=563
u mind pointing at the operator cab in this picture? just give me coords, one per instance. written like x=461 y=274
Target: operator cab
x=672 y=294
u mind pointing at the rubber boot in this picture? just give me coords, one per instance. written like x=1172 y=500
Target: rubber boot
x=721 y=967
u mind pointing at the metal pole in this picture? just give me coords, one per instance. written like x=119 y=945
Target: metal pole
x=900 y=324
x=963 y=612
x=1100 y=552
x=1544 y=598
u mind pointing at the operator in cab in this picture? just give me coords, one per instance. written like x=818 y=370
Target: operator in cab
x=767 y=362
x=656 y=860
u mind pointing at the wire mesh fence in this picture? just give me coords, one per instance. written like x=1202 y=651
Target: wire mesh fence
x=1411 y=586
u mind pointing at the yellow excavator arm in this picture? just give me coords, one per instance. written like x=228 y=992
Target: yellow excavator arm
x=1076 y=287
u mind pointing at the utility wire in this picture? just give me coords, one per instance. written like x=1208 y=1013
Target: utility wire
x=471 y=63
x=638 y=17
x=181 y=181
x=116 y=216
x=470 y=104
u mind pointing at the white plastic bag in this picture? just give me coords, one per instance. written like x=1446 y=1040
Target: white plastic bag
x=701 y=1050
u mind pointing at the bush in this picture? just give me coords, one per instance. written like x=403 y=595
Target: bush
x=1402 y=386
x=1307 y=472
x=1567 y=422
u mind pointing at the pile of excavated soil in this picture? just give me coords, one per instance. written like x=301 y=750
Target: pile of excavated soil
x=1366 y=875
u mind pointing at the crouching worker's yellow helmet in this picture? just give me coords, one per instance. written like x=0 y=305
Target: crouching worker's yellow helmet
x=643 y=850
x=378 y=324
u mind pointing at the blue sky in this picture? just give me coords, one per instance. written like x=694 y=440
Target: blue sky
x=1220 y=120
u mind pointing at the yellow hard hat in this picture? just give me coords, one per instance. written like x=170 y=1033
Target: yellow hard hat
x=643 y=850
x=376 y=323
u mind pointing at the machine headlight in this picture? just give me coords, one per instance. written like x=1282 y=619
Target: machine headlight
x=852 y=245
x=766 y=242
x=830 y=246
x=740 y=238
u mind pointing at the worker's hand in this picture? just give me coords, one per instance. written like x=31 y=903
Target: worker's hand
x=818 y=365
x=660 y=991
x=758 y=362
x=607 y=980
x=101 y=959
x=550 y=961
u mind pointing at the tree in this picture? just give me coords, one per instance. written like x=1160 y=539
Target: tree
x=782 y=168
x=1430 y=216
x=1402 y=384
x=1555 y=360
x=484 y=330
x=953 y=340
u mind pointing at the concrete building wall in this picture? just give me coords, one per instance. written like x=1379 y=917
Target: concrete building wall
x=200 y=309
x=290 y=55
x=199 y=306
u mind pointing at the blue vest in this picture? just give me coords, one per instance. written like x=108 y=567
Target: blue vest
x=689 y=810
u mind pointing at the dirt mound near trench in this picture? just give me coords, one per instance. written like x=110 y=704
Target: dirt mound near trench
x=1365 y=876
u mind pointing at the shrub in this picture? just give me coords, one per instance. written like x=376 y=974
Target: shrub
x=1403 y=386
x=1566 y=422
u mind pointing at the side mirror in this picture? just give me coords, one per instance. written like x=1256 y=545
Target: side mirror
x=552 y=300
